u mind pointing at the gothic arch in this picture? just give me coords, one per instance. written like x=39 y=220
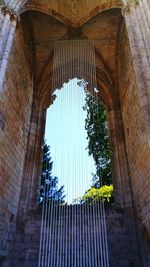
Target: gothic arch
x=122 y=74
x=106 y=77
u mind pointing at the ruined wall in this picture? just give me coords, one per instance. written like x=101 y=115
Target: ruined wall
x=134 y=124
x=75 y=241
x=15 y=111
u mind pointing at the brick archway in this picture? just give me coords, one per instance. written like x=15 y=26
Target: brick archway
x=106 y=78
x=122 y=74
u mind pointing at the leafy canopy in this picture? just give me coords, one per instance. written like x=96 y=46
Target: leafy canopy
x=95 y=195
x=98 y=146
x=98 y=139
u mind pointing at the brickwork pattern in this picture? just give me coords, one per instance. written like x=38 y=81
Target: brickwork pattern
x=122 y=242
x=135 y=128
x=22 y=116
x=15 y=111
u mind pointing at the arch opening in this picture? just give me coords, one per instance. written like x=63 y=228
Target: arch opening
x=119 y=90
x=67 y=188
x=71 y=124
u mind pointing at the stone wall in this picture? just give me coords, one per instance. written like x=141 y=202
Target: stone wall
x=73 y=243
x=134 y=124
x=132 y=76
x=15 y=111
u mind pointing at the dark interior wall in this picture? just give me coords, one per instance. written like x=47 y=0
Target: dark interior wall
x=76 y=242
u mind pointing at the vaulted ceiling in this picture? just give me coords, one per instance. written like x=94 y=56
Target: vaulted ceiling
x=46 y=21
x=73 y=12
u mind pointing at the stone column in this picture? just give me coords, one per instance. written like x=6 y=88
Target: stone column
x=137 y=20
x=138 y=27
x=32 y=166
x=121 y=179
x=117 y=179
x=7 y=33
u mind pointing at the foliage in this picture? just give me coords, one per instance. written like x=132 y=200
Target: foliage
x=95 y=195
x=49 y=183
x=97 y=135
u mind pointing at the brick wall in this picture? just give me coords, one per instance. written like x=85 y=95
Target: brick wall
x=134 y=123
x=77 y=238
x=15 y=110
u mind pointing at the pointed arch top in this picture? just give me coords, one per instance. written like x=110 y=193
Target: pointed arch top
x=84 y=11
x=77 y=13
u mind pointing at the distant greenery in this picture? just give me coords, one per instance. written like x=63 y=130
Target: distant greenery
x=49 y=184
x=98 y=146
x=98 y=139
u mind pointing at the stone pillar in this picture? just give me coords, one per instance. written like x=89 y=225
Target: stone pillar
x=32 y=166
x=36 y=177
x=116 y=172
x=7 y=33
x=138 y=28
x=137 y=21
x=121 y=176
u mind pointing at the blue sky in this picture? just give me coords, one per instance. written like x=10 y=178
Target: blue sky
x=65 y=133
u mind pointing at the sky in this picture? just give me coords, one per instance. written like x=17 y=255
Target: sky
x=65 y=133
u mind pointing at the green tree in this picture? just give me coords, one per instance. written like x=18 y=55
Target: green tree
x=49 y=183
x=98 y=140
x=96 y=195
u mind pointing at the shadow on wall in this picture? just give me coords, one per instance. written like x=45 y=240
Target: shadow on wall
x=4 y=262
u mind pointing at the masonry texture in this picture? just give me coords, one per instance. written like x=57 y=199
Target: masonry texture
x=15 y=111
x=74 y=241
x=27 y=33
